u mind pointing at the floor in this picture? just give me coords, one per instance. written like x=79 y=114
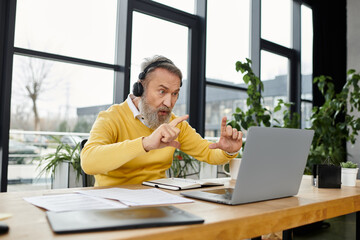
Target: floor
x=342 y=227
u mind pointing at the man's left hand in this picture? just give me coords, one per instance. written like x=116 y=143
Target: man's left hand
x=230 y=139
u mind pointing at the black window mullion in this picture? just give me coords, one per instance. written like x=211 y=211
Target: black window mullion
x=66 y=59
x=276 y=48
x=164 y=12
x=123 y=49
x=295 y=64
x=7 y=32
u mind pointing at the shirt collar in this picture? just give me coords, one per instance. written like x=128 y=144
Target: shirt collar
x=132 y=107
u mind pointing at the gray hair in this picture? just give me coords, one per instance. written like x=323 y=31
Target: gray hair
x=166 y=64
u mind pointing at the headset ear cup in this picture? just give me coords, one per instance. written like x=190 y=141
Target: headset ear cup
x=138 y=89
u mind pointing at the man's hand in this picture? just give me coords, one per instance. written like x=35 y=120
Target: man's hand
x=164 y=136
x=230 y=139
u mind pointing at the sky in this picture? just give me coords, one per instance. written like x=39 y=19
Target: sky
x=86 y=29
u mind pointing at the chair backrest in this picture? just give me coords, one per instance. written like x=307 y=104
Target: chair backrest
x=88 y=180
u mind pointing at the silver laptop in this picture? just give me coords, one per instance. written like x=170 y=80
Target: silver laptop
x=272 y=166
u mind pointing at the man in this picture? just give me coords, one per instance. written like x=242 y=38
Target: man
x=135 y=141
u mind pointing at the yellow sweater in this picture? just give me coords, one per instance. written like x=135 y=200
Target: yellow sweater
x=115 y=155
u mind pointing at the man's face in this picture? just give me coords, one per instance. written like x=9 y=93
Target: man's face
x=161 y=93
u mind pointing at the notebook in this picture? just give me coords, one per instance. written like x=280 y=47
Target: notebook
x=272 y=167
x=180 y=183
x=115 y=219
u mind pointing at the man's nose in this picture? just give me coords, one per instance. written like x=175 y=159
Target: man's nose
x=167 y=100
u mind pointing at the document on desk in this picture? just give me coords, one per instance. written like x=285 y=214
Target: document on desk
x=72 y=201
x=141 y=197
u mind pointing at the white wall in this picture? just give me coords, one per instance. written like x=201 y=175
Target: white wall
x=353 y=60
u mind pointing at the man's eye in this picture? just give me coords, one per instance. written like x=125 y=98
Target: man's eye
x=175 y=94
x=161 y=91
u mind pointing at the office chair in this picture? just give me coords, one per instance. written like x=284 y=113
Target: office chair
x=88 y=180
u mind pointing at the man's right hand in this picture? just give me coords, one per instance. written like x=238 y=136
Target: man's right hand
x=164 y=136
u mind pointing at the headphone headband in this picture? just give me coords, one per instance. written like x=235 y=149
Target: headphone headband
x=138 y=88
x=142 y=75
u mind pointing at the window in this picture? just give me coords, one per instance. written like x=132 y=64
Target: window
x=224 y=49
x=275 y=75
x=152 y=36
x=221 y=102
x=61 y=84
x=306 y=65
x=82 y=28
x=276 y=21
x=227 y=39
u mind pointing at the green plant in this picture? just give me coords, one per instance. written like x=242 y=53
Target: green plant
x=257 y=114
x=348 y=164
x=333 y=122
x=63 y=153
x=182 y=164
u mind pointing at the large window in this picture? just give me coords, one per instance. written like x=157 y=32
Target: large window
x=60 y=68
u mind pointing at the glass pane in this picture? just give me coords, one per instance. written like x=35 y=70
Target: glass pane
x=67 y=98
x=184 y=5
x=274 y=74
x=83 y=28
x=306 y=110
x=221 y=102
x=225 y=47
x=276 y=21
x=306 y=52
x=162 y=38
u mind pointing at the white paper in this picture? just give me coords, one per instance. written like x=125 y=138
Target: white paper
x=71 y=202
x=142 y=197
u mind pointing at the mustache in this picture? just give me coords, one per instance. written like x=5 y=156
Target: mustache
x=164 y=108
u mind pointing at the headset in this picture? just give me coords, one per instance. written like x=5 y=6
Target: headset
x=138 y=88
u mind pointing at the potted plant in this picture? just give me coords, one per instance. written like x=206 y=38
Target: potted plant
x=63 y=165
x=349 y=172
x=334 y=125
x=183 y=165
x=256 y=114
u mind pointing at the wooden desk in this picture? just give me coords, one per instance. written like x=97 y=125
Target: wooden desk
x=221 y=221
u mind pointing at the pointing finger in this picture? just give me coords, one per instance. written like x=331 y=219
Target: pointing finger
x=178 y=120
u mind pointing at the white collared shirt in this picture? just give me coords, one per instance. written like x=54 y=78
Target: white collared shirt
x=134 y=109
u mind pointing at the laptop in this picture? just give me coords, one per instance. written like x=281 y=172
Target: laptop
x=272 y=166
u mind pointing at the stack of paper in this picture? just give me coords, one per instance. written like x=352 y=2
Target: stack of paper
x=143 y=197
x=104 y=199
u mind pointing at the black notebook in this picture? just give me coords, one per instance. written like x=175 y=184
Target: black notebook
x=115 y=219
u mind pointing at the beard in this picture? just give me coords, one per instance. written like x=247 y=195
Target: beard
x=151 y=115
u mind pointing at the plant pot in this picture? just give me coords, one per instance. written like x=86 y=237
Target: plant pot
x=326 y=176
x=348 y=176
x=65 y=177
